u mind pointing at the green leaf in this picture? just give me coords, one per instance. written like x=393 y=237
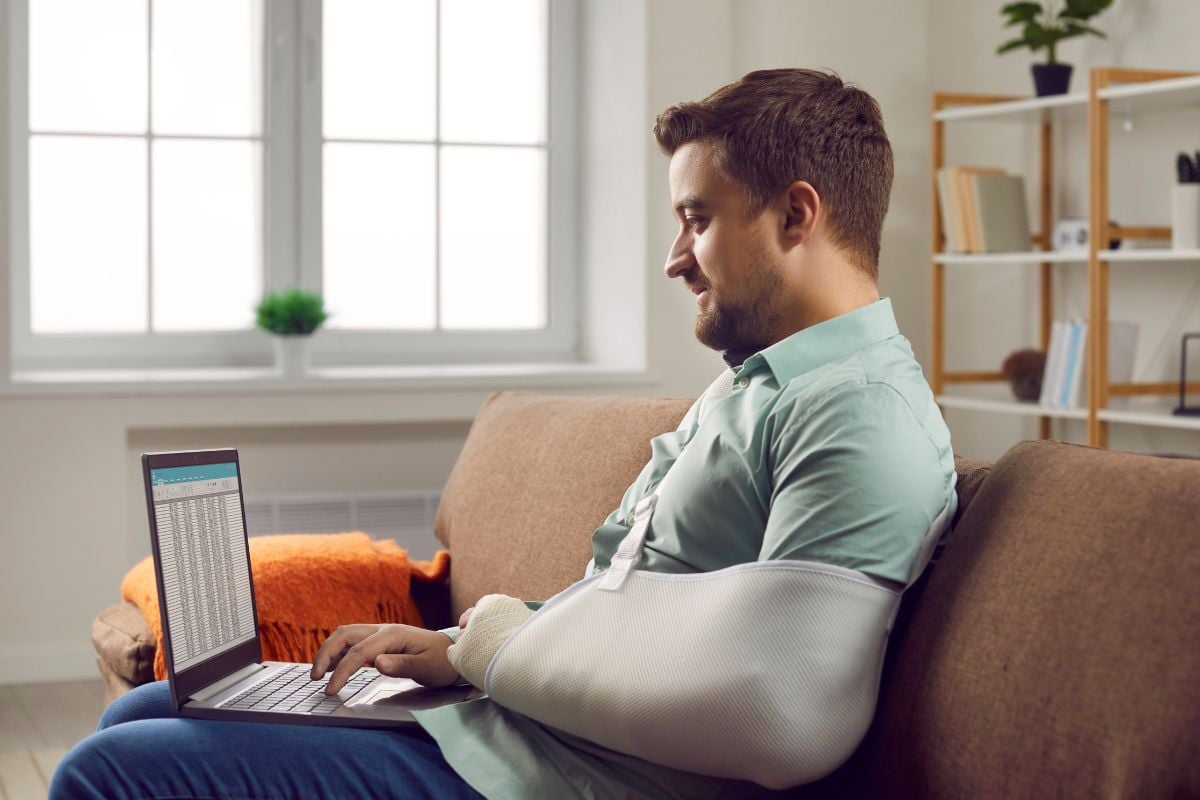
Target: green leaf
x=1009 y=46
x=1079 y=29
x=1037 y=37
x=1083 y=9
x=1020 y=13
x=1023 y=11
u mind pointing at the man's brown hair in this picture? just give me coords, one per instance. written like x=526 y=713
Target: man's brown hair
x=777 y=126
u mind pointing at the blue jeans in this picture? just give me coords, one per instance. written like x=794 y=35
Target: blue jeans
x=142 y=749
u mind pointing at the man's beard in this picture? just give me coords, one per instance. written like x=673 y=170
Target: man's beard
x=742 y=327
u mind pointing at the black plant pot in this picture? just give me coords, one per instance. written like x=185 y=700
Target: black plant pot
x=1051 y=78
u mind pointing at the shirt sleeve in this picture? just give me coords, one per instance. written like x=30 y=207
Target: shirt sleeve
x=856 y=482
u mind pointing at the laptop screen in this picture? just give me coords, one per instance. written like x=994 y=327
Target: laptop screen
x=205 y=568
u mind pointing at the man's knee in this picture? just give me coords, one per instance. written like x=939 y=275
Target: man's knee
x=148 y=701
x=84 y=772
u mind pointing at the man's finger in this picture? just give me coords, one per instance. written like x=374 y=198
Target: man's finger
x=357 y=656
x=395 y=665
x=333 y=647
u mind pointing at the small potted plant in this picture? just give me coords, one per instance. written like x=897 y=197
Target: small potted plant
x=1185 y=203
x=292 y=316
x=1045 y=25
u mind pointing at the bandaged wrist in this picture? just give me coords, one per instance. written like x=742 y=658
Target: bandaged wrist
x=494 y=619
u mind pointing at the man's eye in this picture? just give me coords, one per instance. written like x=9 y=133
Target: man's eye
x=693 y=222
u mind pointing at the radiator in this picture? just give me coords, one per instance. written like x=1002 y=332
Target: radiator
x=406 y=517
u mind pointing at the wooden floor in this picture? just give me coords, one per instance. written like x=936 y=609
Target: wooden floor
x=39 y=723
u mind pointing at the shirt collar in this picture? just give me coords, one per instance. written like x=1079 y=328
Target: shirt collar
x=827 y=341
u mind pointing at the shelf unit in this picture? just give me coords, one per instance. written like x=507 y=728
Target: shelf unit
x=1127 y=87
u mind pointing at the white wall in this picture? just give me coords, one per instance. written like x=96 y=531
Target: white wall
x=71 y=518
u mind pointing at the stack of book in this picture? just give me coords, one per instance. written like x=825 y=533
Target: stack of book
x=983 y=210
x=1066 y=361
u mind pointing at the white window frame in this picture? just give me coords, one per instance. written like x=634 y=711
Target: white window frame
x=292 y=244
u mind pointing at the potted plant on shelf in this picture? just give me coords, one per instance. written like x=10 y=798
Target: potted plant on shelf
x=292 y=316
x=1046 y=24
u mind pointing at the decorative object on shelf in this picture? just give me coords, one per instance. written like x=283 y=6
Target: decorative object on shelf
x=1024 y=370
x=1185 y=204
x=292 y=316
x=1045 y=25
x=1183 y=409
x=1072 y=235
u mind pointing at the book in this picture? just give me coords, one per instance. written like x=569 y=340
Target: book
x=947 y=202
x=999 y=211
x=1052 y=377
x=1074 y=371
x=972 y=222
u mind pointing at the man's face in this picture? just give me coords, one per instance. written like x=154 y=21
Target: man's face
x=727 y=258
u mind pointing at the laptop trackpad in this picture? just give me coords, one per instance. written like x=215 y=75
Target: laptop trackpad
x=390 y=696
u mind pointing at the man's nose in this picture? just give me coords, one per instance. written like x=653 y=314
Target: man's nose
x=680 y=258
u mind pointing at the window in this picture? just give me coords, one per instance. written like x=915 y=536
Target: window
x=411 y=159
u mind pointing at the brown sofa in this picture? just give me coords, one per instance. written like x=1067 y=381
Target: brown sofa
x=1053 y=651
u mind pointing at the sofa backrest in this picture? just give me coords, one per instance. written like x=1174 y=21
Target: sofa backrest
x=1054 y=650
x=536 y=476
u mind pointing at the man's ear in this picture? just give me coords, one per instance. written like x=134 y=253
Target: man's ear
x=801 y=206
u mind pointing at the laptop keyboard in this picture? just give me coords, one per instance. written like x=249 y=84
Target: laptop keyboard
x=293 y=689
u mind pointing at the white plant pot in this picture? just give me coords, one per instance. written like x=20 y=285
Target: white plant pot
x=291 y=354
x=1185 y=216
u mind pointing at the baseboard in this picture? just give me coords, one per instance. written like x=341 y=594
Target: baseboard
x=48 y=663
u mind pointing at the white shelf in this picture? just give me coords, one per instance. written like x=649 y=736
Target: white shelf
x=1034 y=108
x=1150 y=254
x=1170 y=93
x=1031 y=257
x=1162 y=419
x=1149 y=95
x=1015 y=407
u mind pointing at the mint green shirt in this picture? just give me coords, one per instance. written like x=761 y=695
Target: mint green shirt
x=830 y=448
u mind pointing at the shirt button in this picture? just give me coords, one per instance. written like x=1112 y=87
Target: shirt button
x=744 y=382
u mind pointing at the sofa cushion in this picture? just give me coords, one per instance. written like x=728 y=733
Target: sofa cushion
x=1053 y=650
x=536 y=476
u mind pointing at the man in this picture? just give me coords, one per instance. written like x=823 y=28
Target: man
x=821 y=444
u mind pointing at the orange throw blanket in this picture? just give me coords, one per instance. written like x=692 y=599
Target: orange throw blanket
x=306 y=585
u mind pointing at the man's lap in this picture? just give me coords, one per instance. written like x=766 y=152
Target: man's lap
x=142 y=749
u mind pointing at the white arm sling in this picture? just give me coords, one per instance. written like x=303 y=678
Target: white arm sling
x=765 y=671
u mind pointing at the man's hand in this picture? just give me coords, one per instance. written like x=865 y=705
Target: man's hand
x=399 y=651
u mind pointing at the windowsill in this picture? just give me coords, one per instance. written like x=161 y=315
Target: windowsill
x=319 y=380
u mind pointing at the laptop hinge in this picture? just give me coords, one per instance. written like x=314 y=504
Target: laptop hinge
x=214 y=689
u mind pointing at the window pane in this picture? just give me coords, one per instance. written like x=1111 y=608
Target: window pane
x=87 y=234
x=207 y=67
x=379 y=69
x=87 y=66
x=379 y=235
x=207 y=234
x=493 y=237
x=494 y=71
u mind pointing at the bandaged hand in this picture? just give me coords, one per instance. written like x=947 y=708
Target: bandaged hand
x=493 y=620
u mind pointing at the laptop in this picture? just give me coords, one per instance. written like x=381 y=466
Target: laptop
x=210 y=621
